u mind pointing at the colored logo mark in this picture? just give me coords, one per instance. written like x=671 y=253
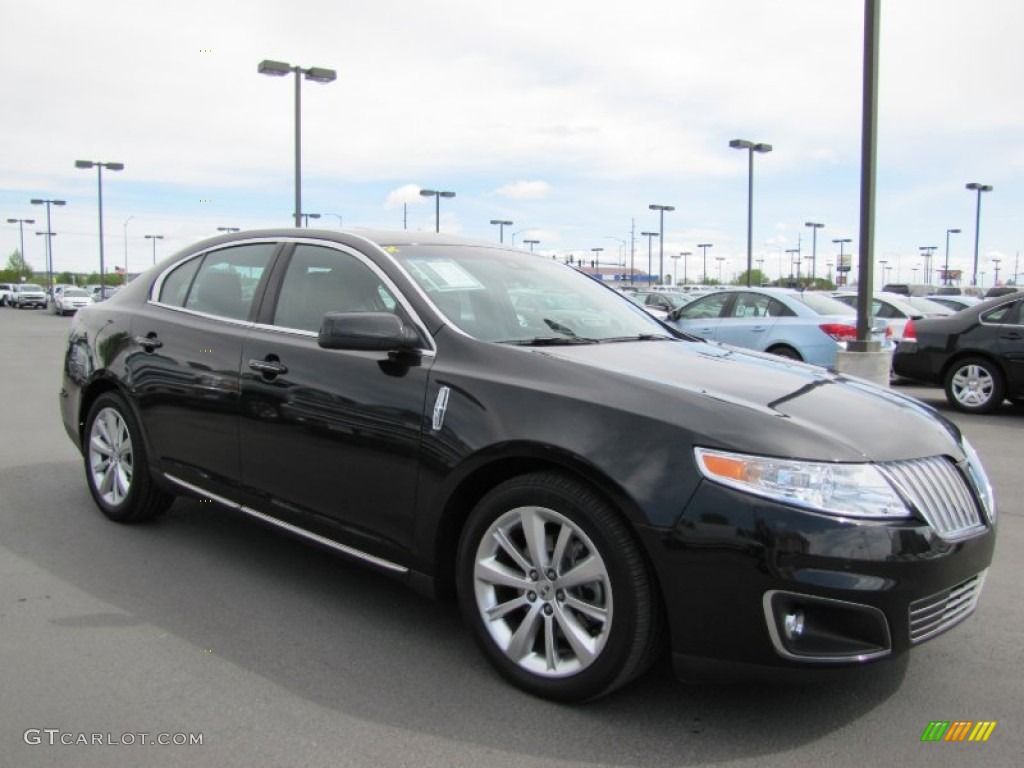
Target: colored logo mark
x=959 y=730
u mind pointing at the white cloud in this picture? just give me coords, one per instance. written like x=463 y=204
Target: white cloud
x=525 y=190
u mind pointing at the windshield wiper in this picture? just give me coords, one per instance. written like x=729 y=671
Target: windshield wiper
x=554 y=325
x=548 y=341
x=638 y=337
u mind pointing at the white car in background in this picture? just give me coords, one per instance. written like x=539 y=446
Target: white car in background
x=896 y=309
x=69 y=300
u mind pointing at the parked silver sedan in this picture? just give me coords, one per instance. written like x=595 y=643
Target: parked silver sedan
x=69 y=301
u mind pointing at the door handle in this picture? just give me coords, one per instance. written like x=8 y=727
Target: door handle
x=1011 y=336
x=149 y=343
x=268 y=367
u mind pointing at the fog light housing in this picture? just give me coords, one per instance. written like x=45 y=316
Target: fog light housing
x=821 y=629
x=793 y=625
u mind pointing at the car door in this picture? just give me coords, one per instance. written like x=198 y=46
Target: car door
x=702 y=316
x=329 y=437
x=747 y=321
x=186 y=348
x=1011 y=348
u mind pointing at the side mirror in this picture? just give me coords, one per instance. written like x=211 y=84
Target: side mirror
x=373 y=331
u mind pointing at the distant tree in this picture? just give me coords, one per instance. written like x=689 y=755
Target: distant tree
x=17 y=268
x=64 y=278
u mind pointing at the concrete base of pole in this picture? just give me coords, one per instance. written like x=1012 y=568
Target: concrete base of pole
x=872 y=366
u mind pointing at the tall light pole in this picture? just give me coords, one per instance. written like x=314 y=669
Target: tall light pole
x=926 y=254
x=99 y=166
x=21 y=229
x=946 y=280
x=704 y=247
x=596 y=263
x=307 y=216
x=661 y=236
x=317 y=75
x=841 y=265
x=751 y=148
x=502 y=223
x=675 y=269
x=815 y=226
x=649 y=236
x=995 y=279
x=532 y=243
x=154 y=238
x=719 y=259
x=126 y=245
x=794 y=256
x=437 y=195
x=979 y=188
x=686 y=257
x=49 y=235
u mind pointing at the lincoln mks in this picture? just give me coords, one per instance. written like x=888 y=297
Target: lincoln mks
x=593 y=487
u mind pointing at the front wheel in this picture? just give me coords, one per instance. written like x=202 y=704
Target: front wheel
x=974 y=385
x=787 y=352
x=116 y=466
x=554 y=586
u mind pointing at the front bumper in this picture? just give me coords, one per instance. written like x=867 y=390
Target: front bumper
x=750 y=584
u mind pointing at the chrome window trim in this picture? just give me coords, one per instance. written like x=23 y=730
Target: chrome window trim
x=399 y=296
x=388 y=283
x=316 y=537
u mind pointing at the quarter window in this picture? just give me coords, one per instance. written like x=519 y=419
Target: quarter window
x=709 y=306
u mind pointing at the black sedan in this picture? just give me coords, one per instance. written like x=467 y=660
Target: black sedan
x=592 y=486
x=977 y=354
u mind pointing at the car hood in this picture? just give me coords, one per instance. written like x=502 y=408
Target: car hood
x=748 y=401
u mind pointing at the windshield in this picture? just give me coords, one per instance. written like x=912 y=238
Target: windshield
x=824 y=305
x=31 y=287
x=519 y=298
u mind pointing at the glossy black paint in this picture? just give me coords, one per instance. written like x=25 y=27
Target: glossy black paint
x=941 y=341
x=344 y=443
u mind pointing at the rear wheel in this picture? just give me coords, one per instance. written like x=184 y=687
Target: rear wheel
x=556 y=590
x=116 y=466
x=974 y=385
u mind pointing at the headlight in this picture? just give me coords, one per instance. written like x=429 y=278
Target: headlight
x=849 y=490
x=980 y=480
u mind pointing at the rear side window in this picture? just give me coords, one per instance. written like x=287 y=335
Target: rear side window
x=1007 y=313
x=221 y=283
x=709 y=306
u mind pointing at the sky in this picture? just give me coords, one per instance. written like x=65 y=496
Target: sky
x=567 y=117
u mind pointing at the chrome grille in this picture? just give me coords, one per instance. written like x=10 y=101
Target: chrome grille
x=937 y=489
x=931 y=615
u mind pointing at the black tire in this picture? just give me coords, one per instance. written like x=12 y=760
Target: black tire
x=787 y=352
x=584 y=622
x=975 y=385
x=116 y=465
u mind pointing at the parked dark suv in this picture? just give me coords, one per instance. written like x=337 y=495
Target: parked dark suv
x=592 y=486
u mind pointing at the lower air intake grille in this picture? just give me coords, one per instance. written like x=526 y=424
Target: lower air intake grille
x=931 y=615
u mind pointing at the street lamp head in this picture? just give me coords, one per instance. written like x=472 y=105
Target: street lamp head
x=979 y=187
x=814 y=224
x=273 y=68
x=655 y=207
x=320 y=75
x=84 y=163
x=741 y=144
x=763 y=148
x=842 y=240
x=503 y=222
x=446 y=194
x=649 y=234
x=23 y=221
x=953 y=231
x=428 y=192
x=685 y=253
x=114 y=166
x=705 y=245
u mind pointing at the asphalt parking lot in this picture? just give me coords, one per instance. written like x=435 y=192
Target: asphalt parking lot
x=276 y=653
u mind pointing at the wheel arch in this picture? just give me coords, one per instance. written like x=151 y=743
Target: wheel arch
x=971 y=353
x=477 y=482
